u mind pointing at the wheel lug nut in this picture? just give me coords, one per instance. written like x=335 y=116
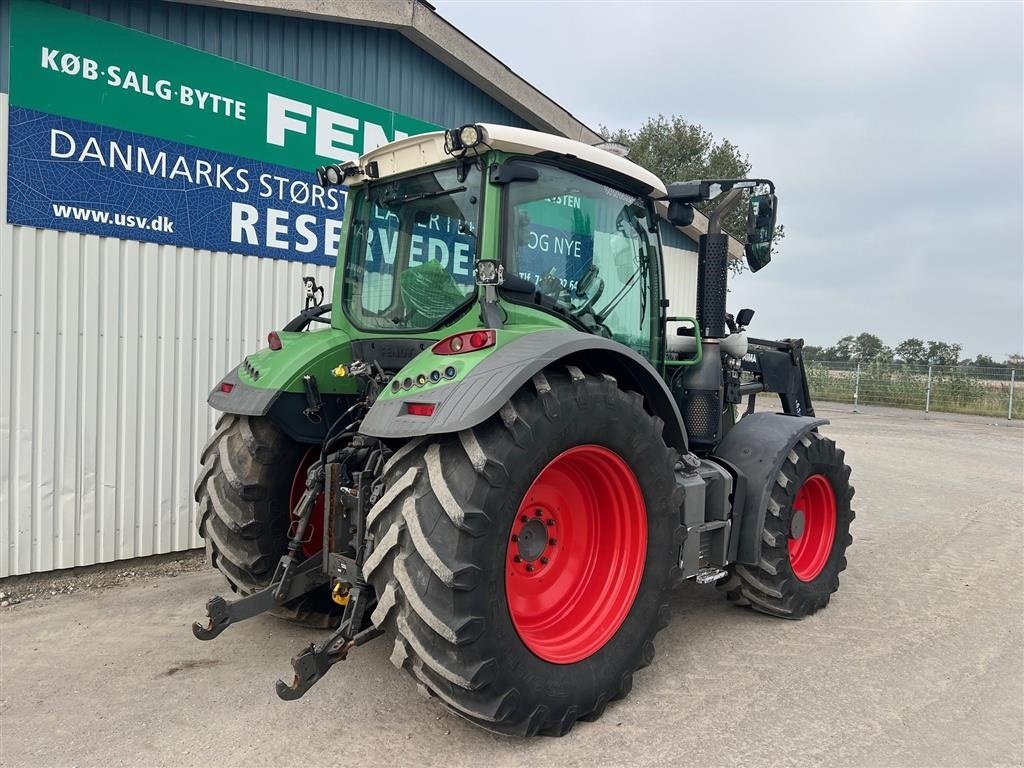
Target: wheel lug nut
x=517 y=559
x=543 y=561
x=552 y=542
x=523 y=519
x=538 y=512
x=551 y=522
x=529 y=568
x=514 y=537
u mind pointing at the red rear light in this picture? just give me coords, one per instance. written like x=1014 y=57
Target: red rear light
x=470 y=341
x=226 y=387
x=273 y=340
x=421 y=409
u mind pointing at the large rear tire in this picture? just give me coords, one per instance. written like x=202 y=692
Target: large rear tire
x=243 y=492
x=522 y=566
x=805 y=536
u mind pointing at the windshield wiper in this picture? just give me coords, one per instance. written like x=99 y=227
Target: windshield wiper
x=421 y=196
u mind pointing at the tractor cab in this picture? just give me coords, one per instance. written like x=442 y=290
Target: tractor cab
x=569 y=230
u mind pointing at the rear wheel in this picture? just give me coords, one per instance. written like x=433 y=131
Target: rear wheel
x=522 y=566
x=805 y=535
x=244 y=492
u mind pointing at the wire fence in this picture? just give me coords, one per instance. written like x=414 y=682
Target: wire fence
x=946 y=388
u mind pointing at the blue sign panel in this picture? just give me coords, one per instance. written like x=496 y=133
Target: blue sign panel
x=72 y=175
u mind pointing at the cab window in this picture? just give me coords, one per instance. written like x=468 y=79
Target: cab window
x=586 y=247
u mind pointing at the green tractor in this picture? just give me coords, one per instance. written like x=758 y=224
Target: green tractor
x=497 y=452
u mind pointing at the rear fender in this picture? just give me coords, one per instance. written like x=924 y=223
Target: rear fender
x=488 y=385
x=757 y=446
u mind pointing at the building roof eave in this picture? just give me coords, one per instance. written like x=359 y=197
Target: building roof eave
x=427 y=29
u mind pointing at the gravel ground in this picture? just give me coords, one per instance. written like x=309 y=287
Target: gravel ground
x=917 y=661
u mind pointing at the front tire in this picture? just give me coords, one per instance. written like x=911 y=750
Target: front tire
x=445 y=560
x=805 y=535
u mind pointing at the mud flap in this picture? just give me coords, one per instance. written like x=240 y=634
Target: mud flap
x=756 y=446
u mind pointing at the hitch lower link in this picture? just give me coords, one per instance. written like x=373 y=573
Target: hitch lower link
x=293 y=578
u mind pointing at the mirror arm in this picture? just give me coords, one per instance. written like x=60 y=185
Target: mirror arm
x=730 y=201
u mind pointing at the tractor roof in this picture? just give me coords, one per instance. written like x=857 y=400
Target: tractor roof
x=428 y=149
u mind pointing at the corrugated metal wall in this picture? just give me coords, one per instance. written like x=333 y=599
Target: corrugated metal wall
x=680 y=272
x=109 y=348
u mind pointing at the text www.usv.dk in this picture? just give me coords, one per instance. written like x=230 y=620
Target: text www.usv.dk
x=159 y=224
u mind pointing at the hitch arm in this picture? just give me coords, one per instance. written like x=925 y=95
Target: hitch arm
x=313 y=662
x=221 y=613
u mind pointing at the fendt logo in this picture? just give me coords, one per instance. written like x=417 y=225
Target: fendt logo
x=336 y=135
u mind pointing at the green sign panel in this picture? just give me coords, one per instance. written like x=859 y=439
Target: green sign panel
x=118 y=133
x=66 y=63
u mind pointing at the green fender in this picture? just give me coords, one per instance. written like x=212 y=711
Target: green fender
x=485 y=380
x=252 y=387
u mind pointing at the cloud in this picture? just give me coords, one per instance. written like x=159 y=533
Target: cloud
x=895 y=132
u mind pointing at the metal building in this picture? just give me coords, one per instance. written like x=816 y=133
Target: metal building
x=158 y=219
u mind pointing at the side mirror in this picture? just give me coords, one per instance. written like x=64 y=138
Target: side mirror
x=510 y=171
x=680 y=214
x=743 y=317
x=760 y=230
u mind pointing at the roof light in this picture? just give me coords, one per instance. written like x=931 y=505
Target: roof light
x=274 y=341
x=469 y=135
x=463 y=138
x=333 y=175
x=420 y=409
x=468 y=341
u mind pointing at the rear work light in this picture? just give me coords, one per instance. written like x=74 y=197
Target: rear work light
x=468 y=341
x=420 y=409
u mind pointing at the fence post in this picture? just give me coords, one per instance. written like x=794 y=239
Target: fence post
x=1009 y=411
x=928 y=391
x=856 y=389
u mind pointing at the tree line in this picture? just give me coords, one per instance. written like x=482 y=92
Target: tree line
x=867 y=347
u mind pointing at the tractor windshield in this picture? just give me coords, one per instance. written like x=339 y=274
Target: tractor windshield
x=411 y=250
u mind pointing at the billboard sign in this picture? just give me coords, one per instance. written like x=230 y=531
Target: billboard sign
x=119 y=133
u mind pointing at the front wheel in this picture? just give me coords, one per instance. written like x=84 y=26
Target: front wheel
x=522 y=566
x=805 y=535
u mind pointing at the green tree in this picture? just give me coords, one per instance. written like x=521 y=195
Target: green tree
x=676 y=150
x=985 y=361
x=841 y=351
x=812 y=353
x=912 y=351
x=943 y=353
x=868 y=348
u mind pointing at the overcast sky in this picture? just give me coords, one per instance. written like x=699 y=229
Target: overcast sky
x=893 y=131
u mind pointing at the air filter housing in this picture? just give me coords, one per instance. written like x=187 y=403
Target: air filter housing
x=698 y=392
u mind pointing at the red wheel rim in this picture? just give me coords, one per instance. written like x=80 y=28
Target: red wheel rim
x=810 y=544
x=313 y=540
x=576 y=554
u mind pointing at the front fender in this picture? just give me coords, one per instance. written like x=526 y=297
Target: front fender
x=757 y=446
x=490 y=383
